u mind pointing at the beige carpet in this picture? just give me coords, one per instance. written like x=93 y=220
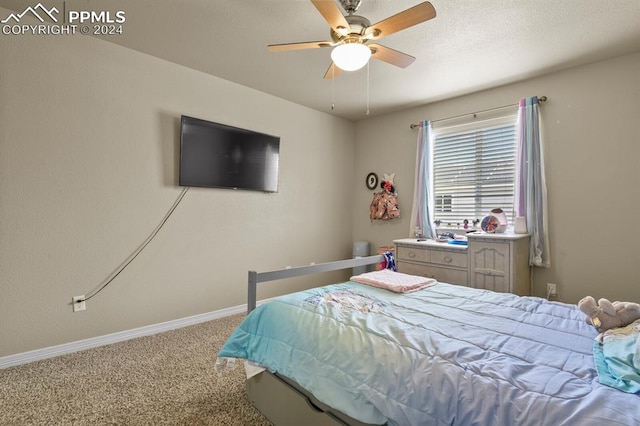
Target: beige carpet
x=165 y=379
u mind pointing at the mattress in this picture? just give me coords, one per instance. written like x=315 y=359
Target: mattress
x=445 y=354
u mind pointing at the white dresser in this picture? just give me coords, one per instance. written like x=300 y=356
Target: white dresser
x=498 y=262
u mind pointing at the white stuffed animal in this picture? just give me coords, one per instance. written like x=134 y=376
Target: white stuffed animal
x=605 y=315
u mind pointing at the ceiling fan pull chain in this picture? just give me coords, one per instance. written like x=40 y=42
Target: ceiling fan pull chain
x=367 y=88
x=333 y=87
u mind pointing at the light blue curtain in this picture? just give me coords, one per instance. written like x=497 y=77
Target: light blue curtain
x=531 y=188
x=422 y=209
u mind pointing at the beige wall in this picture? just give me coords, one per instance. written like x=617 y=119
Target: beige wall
x=89 y=142
x=592 y=148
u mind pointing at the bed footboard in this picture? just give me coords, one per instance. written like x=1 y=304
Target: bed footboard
x=259 y=277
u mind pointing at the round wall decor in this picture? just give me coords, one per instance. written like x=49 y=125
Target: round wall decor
x=372 y=181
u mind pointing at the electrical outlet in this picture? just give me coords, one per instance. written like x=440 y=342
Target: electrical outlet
x=552 y=289
x=79 y=303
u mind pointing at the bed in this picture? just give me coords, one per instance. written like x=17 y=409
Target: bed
x=443 y=355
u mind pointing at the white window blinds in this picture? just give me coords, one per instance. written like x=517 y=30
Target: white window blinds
x=474 y=170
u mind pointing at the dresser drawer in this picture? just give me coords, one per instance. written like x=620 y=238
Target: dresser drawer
x=414 y=269
x=444 y=275
x=451 y=276
x=449 y=258
x=412 y=254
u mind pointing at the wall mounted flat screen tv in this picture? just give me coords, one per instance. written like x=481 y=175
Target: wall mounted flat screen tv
x=215 y=155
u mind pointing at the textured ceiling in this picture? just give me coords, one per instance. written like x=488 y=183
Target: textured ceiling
x=471 y=45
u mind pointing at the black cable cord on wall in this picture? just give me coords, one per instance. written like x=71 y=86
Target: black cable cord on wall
x=142 y=246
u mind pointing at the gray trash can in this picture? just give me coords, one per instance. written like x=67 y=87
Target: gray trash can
x=361 y=249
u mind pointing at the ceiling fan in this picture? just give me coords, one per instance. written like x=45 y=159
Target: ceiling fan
x=351 y=35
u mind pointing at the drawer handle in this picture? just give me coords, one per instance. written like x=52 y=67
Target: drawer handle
x=448 y=259
x=412 y=254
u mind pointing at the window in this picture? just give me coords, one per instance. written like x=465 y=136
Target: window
x=474 y=170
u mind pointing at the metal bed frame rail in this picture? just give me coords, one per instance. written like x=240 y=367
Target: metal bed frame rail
x=259 y=277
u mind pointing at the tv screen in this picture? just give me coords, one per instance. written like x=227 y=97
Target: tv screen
x=215 y=155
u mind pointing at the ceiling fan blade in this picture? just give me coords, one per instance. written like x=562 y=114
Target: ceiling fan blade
x=299 y=46
x=391 y=56
x=332 y=72
x=408 y=18
x=332 y=14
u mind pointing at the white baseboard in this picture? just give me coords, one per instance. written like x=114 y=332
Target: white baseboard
x=53 y=351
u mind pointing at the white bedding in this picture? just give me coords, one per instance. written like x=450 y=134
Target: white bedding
x=394 y=281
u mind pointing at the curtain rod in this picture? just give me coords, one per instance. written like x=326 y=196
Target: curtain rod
x=540 y=99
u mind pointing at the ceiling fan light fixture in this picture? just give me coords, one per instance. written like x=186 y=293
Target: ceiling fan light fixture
x=350 y=56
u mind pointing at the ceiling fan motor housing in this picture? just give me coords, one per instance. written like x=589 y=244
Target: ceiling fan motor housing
x=357 y=26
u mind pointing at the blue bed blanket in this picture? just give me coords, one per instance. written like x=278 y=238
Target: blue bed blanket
x=444 y=355
x=617 y=358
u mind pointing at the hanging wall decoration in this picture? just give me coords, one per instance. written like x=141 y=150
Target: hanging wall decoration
x=372 y=181
x=385 y=202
